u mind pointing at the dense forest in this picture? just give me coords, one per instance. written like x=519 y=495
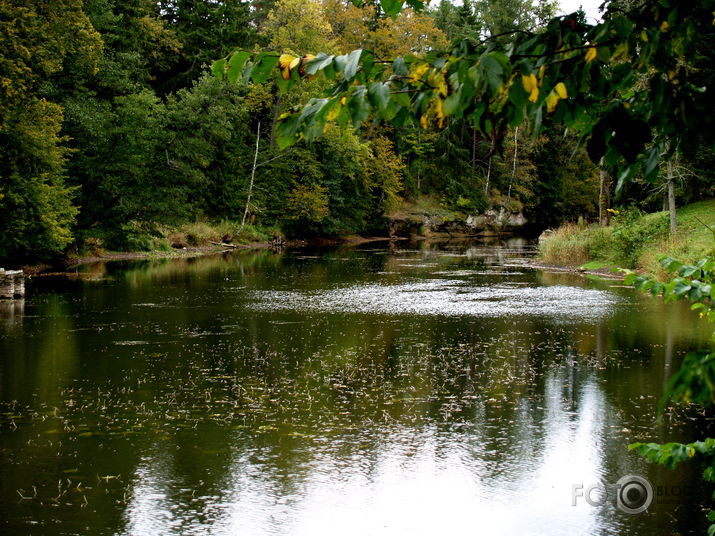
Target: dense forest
x=114 y=132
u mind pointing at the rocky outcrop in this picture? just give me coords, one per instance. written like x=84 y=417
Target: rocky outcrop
x=487 y=223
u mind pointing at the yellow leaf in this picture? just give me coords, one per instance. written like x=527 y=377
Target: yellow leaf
x=439 y=112
x=529 y=83
x=285 y=60
x=691 y=452
x=561 y=90
x=664 y=26
x=418 y=72
x=534 y=95
x=344 y=101
x=442 y=86
x=591 y=54
x=333 y=113
x=551 y=101
x=423 y=121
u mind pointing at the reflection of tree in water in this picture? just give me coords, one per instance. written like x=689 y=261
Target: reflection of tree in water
x=215 y=415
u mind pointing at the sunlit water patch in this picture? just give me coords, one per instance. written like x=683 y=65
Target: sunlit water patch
x=444 y=298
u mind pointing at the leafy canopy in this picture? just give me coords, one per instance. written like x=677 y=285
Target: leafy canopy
x=633 y=86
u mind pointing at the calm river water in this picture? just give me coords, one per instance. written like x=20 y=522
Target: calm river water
x=382 y=389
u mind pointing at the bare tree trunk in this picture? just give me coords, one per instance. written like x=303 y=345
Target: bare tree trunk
x=513 y=167
x=419 y=167
x=253 y=176
x=604 y=195
x=486 y=186
x=671 y=198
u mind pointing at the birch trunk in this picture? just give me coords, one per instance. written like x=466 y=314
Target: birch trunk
x=253 y=176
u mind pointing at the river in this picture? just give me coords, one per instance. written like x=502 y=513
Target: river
x=429 y=388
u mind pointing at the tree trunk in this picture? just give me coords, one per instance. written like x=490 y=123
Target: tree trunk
x=513 y=167
x=253 y=176
x=486 y=186
x=671 y=199
x=604 y=196
x=419 y=166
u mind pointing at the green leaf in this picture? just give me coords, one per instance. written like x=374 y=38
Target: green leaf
x=320 y=62
x=625 y=176
x=391 y=7
x=651 y=163
x=379 y=95
x=352 y=64
x=217 y=67
x=263 y=68
x=339 y=63
x=399 y=66
x=493 y=71
x=236 y=64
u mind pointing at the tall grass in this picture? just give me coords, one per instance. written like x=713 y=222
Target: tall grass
x=635 y=240
x=573 y=244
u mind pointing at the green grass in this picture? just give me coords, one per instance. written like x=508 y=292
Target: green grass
x=204 y=233
x=634 y=240
x=147 y=237
x=423 y=206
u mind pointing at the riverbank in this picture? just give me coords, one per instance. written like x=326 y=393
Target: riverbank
x=633 y=240
x=73 y=261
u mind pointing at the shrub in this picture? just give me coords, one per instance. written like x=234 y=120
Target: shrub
x=633 y=231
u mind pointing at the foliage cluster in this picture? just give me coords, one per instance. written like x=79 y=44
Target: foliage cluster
x=694 y=383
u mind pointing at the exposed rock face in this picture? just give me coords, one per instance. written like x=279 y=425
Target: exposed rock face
x=489 y=222
x=404 y=227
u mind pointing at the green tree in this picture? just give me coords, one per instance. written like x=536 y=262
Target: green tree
x=206 y=30
x=500 y=17
x=37 y=38
x=458 y=22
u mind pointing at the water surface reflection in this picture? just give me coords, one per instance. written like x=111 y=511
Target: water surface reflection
x=447 y=389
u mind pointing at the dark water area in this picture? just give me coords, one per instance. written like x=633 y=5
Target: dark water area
x=433 y=388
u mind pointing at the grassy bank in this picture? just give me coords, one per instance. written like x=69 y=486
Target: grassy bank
x=136 y=237
x=634 y=240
